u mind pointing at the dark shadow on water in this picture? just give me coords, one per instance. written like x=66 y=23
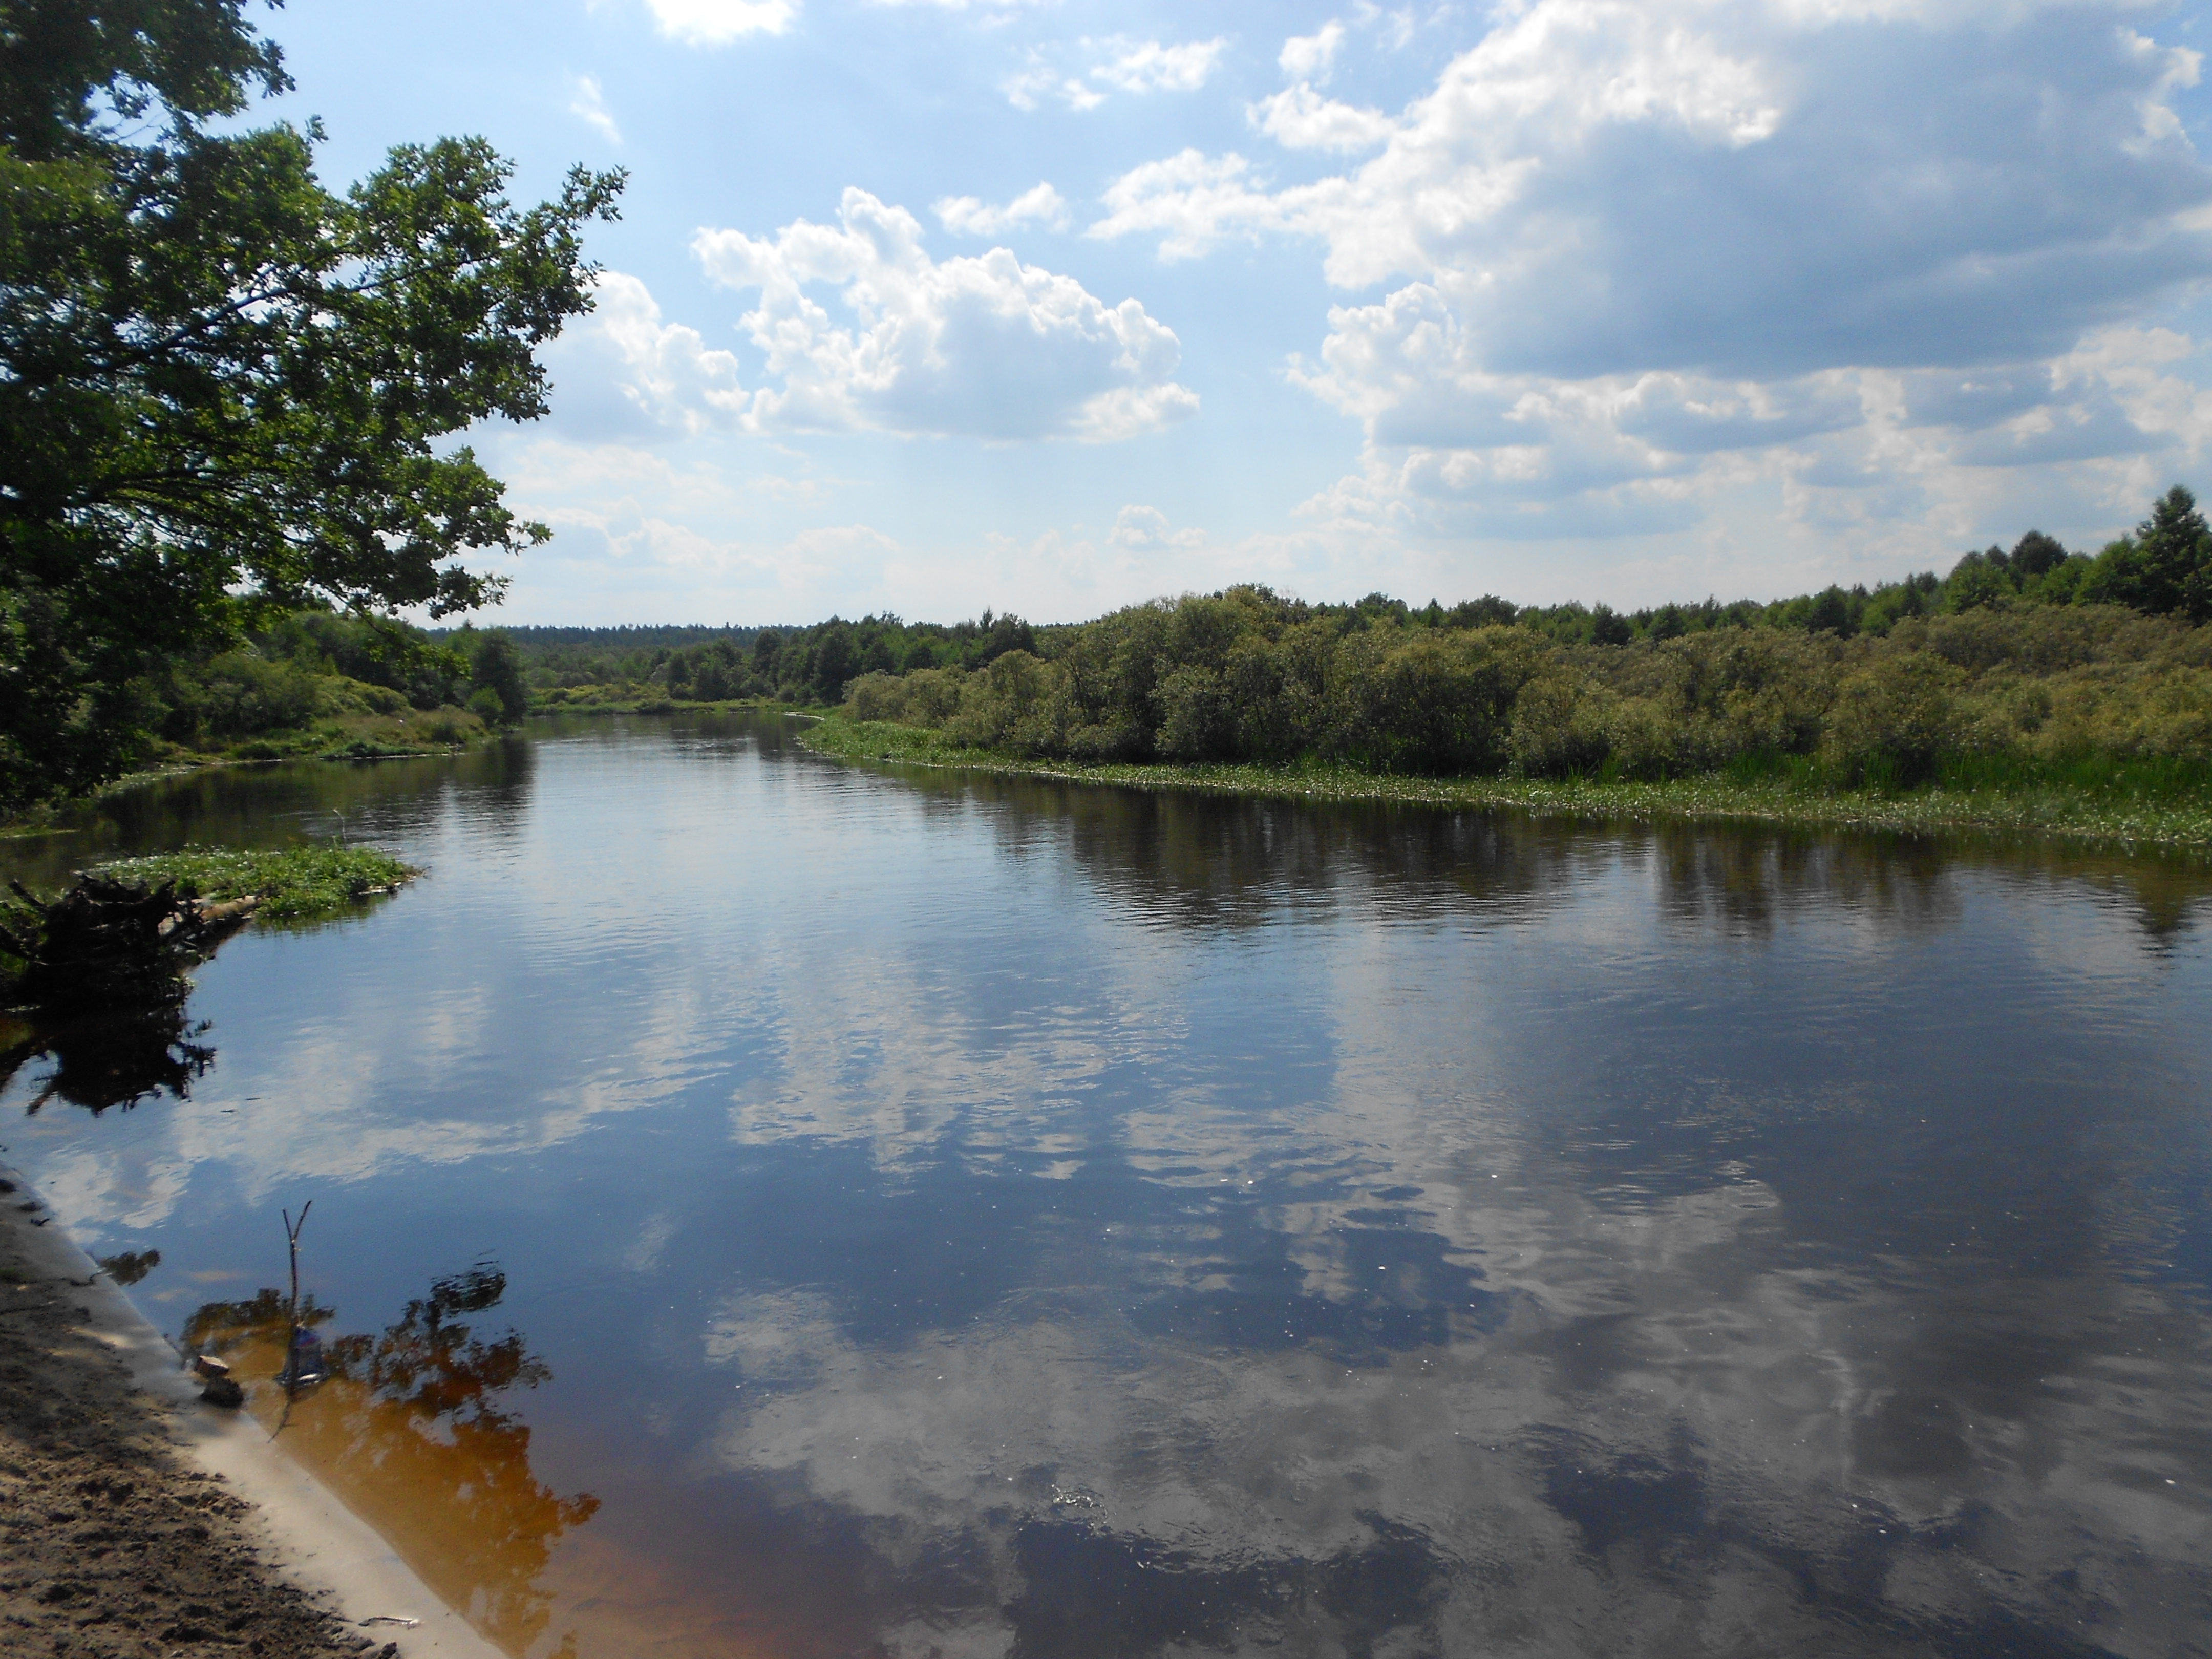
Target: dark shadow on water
x=283 y=805
x=1198 y=860
x=1746 y=882
x=1655 y=1507
x=1210 y=863
x=1657 y=1518
x=115 y=1061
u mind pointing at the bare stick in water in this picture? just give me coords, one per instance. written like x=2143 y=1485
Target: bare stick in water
x=291 y=1372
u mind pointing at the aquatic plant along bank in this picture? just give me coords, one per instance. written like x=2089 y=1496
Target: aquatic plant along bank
x=314 y=883
x=116 y=947
x=2113 y=818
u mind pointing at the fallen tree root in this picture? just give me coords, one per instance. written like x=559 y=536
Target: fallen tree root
x=107 y=945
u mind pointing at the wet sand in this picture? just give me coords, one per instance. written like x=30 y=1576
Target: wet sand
x=135 y=1520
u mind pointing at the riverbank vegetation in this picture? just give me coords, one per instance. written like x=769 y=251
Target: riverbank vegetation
x=2112 y=809
x=316 y=683
x=648 y=669
x=314 y=883
x=95 y=977
x=2037 y=688
x=126 y=933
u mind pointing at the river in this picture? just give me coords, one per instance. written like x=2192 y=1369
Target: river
x=768 y=1207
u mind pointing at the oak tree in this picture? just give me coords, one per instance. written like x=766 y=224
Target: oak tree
x=225 y=390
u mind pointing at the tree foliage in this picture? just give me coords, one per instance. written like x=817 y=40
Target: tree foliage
x=223 y=387
x=569 y=666
x=2165 y=567
x=2038 y=659
x=2039 y=689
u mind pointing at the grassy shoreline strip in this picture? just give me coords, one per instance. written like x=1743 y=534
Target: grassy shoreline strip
x=2056 y=814
x=295 y=884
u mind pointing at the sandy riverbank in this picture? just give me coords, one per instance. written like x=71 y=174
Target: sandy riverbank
x=135 y=1520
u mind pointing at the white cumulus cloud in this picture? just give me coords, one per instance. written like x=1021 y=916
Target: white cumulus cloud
x=1632 y=255
x=1141 y=66
x=1146 y=529
x=1041 y=80
x=982 y=346
x=1060 y=74
x=1194 y=200
x=1298 y=117
x=621 y=371
x=1312 y=57
x=717 y=22
x=969 y=215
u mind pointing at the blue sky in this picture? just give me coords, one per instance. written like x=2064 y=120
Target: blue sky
x=931 y=306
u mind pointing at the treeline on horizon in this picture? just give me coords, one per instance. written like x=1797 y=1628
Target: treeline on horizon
x=2035 y=652
x=573 y=667
x=817 y=664
x=2032 y=665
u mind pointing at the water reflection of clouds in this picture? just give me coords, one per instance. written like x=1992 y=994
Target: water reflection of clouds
x=324 y=1105
x=1398 y=1227
x=895 y=1048
x=1734 y=1389
x=1655 y=1431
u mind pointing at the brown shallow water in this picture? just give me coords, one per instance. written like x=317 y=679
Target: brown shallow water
x=766 y=1207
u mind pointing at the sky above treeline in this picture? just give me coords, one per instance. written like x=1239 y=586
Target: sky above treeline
x=929 y=306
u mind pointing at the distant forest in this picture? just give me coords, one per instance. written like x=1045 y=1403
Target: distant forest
x=2164 y=569
x=2029 y=667
x=2033 y=651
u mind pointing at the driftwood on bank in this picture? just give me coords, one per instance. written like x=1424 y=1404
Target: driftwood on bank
x=110 y=944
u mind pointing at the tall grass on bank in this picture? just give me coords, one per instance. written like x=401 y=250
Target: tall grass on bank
x=293 y=884
x=2123 y=805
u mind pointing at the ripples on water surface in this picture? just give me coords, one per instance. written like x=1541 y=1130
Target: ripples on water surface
x=772 y=1208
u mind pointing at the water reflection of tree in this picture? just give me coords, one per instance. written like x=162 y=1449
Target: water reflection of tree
x=1219 y=861
x=241 y=1328
x=415 y=1433
x=278 y=805
x=1745 y=880
x=115 y=1061
x=1216 y=861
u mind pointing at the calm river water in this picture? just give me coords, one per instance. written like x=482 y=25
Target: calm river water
x=767 y=1207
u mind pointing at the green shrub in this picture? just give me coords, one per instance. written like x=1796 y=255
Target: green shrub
x=877 y=696
x=1006 y=704
x=1198 y=715
x=1559 y=726
x=932 y=694
x=1430 y=702
x=1642 y=739
x=1895 y=719
x=240 y=694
